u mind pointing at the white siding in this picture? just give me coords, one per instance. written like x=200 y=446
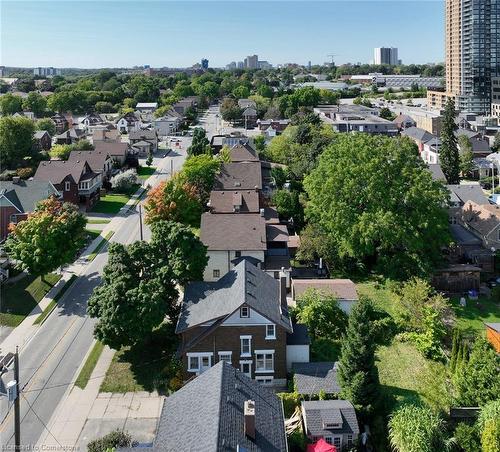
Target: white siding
x=254 y=319
x=296 y=354
x=221 y=260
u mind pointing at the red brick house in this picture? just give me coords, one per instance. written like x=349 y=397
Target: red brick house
x=42 y=140
x=18 y=198
x=75 y=180
x=242 y=318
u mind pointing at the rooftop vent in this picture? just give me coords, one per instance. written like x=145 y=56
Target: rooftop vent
x=249 y=411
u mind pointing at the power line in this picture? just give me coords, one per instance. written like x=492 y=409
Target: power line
x=43 y=423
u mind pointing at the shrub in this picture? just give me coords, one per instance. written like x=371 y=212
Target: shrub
x=124 y=181
x=466 y=437
x=291 y=400
x=25 y=173
x=114 y=439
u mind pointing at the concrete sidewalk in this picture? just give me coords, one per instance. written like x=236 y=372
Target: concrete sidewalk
x=25 y=331
x=85 y=414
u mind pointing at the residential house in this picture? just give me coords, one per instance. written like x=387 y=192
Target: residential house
x=61 y=123
x=117 y=150
x=242 y=319
x=312 y=378
x=42 y=140
x=249 y=117
x=144 y=141
x=75 y=180
x=71 y=136
x=430 y=153
x=493 y=335
x=218 y=141
x=334 y=421
x=419 y=136
x=18 y=198
x=166 y=125
x=459 y=195
x=234 y=201
x=190 y=102
x=243 y=153
x=278 y=125
x=146 y=107
x=344 y=290
x=484 y=222
x=437 y=172
x=128 y=122
x=246 y=103
x=221 y=410
x=105 y=134
x=100 y=161
x=404 y=122
x=88 y=122
x=239 y=176
x=480 y=147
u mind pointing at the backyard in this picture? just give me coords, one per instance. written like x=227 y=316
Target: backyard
x=18 y=299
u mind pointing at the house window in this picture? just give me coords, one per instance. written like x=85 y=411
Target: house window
x=246 y=368
x=349 y=440
x=216 y=273
x=13 y=219
x=264 y=361
x=245 y=312
x=337 y=441
x=67 y=186
x=264 y=380
x=329 y=439
x=246 y=345
x=237 y=253
x=225 y=356
x=194 y=363
x=271 y=331
x=199 y=362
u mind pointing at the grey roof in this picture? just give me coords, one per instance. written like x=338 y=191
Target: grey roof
x=96 y=159
x=243 y=153
x=418 y=134
x=234 y=232
x=494 y=326
x=463 y=236
x=437 y=172
x=224 y=201
x=319 y=411
x=466 y=132
x=245 y=284
x=239 y=176
x=27 y=193
x=39 y=134
x=143 y=134
x=311 y=378
x=249 y=112
x=56 y=171
x=468 y=192
x=207 y=415
x=112 y=147
x=300 y=335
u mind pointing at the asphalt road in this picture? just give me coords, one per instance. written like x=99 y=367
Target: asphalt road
x=48 y=363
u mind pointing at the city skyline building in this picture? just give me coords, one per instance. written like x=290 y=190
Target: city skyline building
x=385 y=55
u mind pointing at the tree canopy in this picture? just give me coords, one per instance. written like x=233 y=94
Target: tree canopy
x=376 y=203
x=16 y=140
x=200 y=143
x=199 y=171
x=448 y=152
x=36 y=244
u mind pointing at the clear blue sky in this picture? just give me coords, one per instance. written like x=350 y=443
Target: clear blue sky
x=179 y=33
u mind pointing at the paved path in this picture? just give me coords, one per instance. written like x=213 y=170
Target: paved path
x=52 y=353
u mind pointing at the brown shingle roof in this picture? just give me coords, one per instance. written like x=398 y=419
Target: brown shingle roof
x=243 y=153
x=56 y=171
x=482 y=218
x=343 y=289
x=223 y=201
x=95 y=159
x=239 y=176
x=111 y=147
x=233 y=232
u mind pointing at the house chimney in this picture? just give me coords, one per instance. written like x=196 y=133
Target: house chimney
x=249 y=411
x=16 y=180
x=262 y=212
x=283 y=291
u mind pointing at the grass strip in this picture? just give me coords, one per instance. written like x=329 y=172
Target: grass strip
x=89 y=366
x=98 y=221
x=100 y=245
x=50 y=307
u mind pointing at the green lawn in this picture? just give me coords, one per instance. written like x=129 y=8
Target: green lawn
x=472 y=317
x=145 y=172
x=98 y=221
x=88 y=367
x=406 y=376
x=111 y=203
x=143 y=367
x=19 y=299
x=377 y=291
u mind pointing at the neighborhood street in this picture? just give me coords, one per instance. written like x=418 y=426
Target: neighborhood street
x=49 y=361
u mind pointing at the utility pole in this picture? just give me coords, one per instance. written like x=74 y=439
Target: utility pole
x=140 y=220
x=171 y=167
x=17 y=409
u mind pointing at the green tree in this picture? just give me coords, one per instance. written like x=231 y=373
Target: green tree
x=474 y=384
x=35 y=243
x=358 y=375
x=139 y=284
x=149 y=160
x=289 y=206
x=490 y=438
x=448 y=153
x=46 y=124
x=200 y=171
x=265 y=91
x=241 y=92
x=496 y=143
x=385 y=113
x=10 y=104
x=16 y=140
x=376 y=201
x=466 y=163
x=60 y=151
x=230 y=110
x=321 y=313
x=174 y=200
x=416 y=429
x=200 y=143
x=104 y=107
x=35 y=102
x=466 y=437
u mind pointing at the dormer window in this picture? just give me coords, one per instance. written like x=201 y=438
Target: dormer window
x=244 y=312
x=67 y=186
x=329 y=425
